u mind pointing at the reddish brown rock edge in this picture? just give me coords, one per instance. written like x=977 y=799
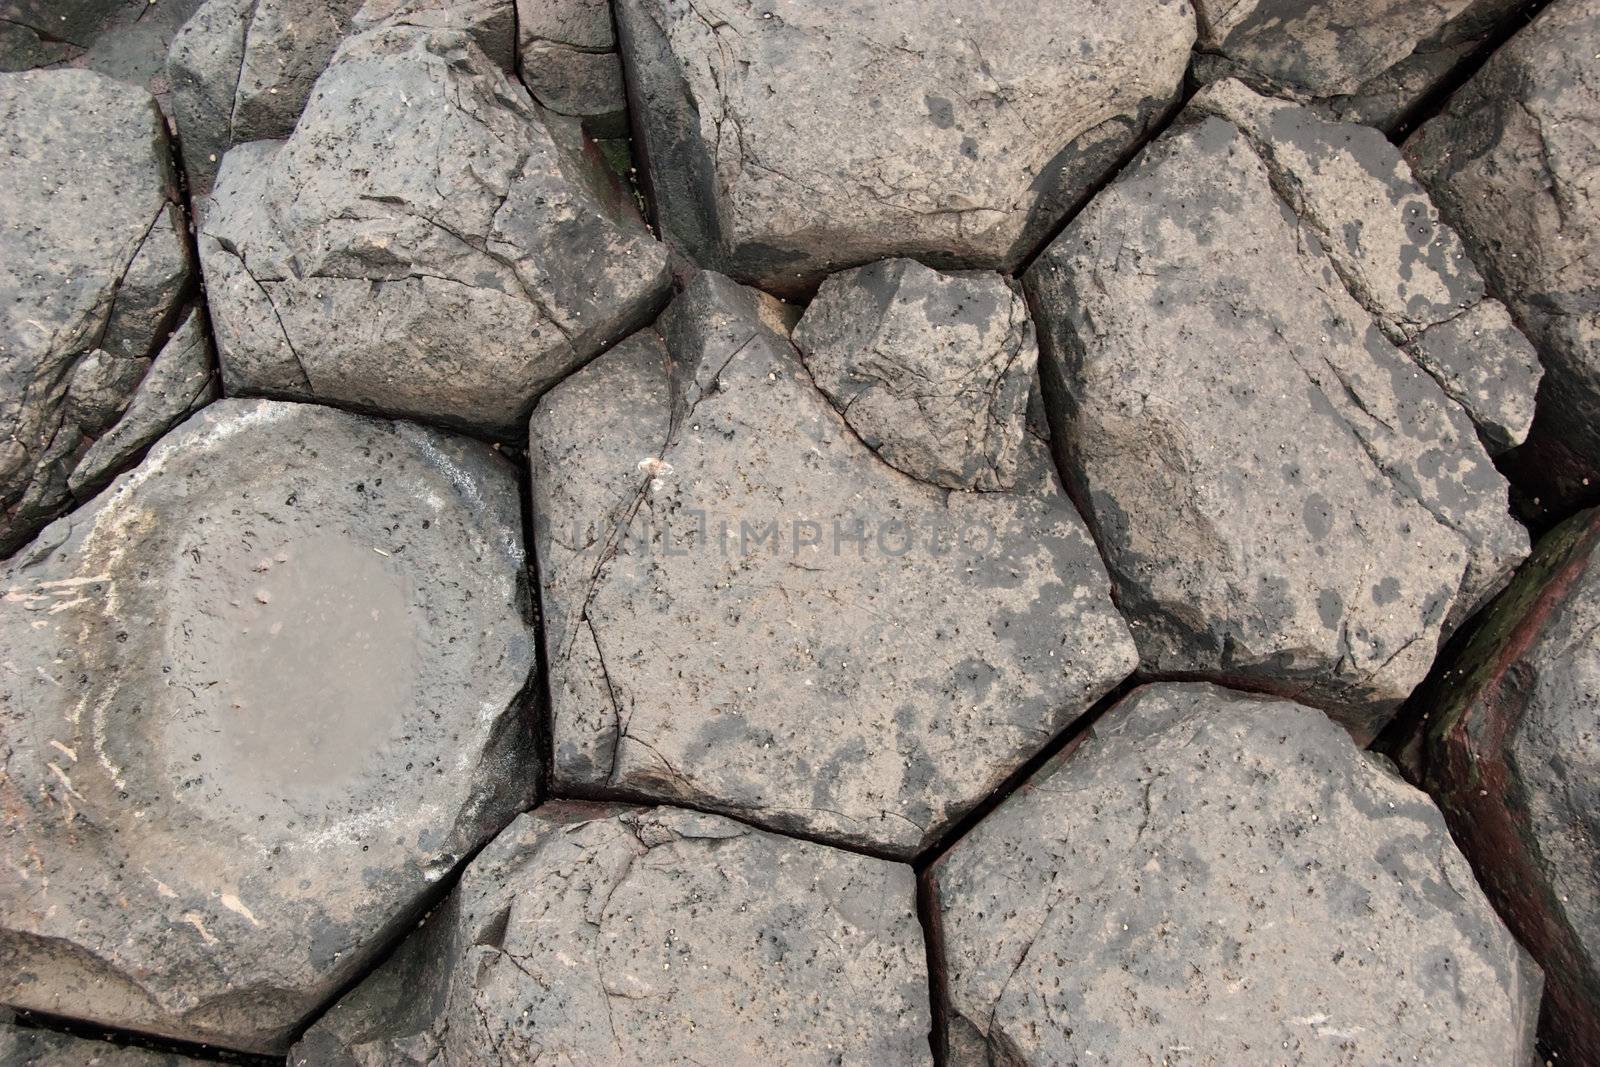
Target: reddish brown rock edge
x=1485 y=805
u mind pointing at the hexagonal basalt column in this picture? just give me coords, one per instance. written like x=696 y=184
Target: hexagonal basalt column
x=747 y=609
x=1211 y=877
x=786 y=140
x=599 y=934
x=260 y=695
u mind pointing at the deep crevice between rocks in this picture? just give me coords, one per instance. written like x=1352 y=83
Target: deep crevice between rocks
x=61 y=1024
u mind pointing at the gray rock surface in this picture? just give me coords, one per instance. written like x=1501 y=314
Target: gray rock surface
x=242 y=70
x=601 y=934
x=1368 y=61
x=1514 y=165
x=22 y=1046
x=1215 y=878
x=258 y=697
x=1400 y=261
x=122 y=39
x=1513 y=758
x=359 y=263
x=785 y=141
x=1283 y=496
x=96 y=269
x=567 y=57
x=867 y=655
x=932 y=371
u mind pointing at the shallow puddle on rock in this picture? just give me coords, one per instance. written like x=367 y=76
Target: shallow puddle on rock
x=303 y=658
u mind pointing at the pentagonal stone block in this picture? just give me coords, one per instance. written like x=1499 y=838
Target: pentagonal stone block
x=788 y=140
x=1512 y=161
x=1210 y=877
x=267 y=692
x=1513 y=758
x=1284 y=492
x=599 y=934
x=357 y=262
x=933 y=371
x=1368 y=61
x=97 y=270
x=747 y=609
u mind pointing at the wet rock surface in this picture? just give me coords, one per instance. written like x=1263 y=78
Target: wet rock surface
x=97 y=269
x=712 y=535
x=785 y=141
x=1198 y=878
x=1513 y=758
x=567 y=57
x=1513 y=164
x=1284 y=496
x=260 y=695
x=603 y=934
x=359 y=263
x=932 y=371
x=1369 y=61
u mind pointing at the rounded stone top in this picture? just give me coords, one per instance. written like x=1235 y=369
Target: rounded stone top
x=275 y=694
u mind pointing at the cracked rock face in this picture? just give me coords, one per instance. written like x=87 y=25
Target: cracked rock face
x=1368 y=61
x=788 y=140
x=1284 y=496
x=22 y=1046
x=567 y=57
x=243 y=70
x=1514 y=761
x=272 y=694
x=713 y=536
x=423 y=245
x=97 y=269
x=122 y=39
x=1513 y=163
x=600 y=934
x=932 y=371
x=1201 y=874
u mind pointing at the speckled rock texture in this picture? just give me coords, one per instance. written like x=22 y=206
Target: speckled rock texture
x=1368 y=61
x=601 y=934
x=29 y=1047
x=1285 y=498
x=713 y=536
x=122 y=39
x=243 y=70
x=567 y=57
x=96 y=271
x=786 y=140
x=1513 y=758
x=1210 y=877
x=259 y=696
x=932 y=371
x=1514 y=165
x=359 y=263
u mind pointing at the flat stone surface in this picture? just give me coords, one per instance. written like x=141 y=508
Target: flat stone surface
x=1211 y=877
x=746 y=609
x=260 y=695
x=1513 y=758
x=96 y=269
x=932 y=371
x=786 y=141
x=1283 y=496
x=122 y=39
x=356 y=262
x=1513 y=162
x=1405 y=266
x=29 y=1047
x=1368 y=61
x=600 y=934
